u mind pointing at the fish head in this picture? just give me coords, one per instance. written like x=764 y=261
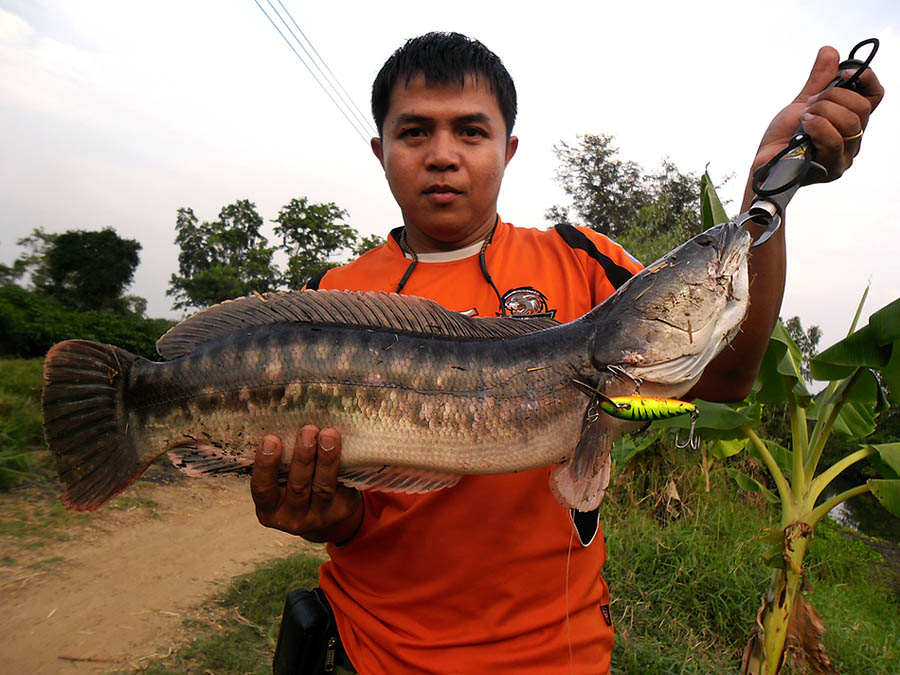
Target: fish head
x=672 y=318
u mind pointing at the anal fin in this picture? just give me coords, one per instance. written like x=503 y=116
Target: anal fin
x=203 y=460
x=397 y=479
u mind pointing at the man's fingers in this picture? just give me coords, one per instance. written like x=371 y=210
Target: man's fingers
x=264 y=482
x=871 y=88
x=824 y=70
x=300 y=473
x=324 y=482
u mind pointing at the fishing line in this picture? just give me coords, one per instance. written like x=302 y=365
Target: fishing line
x=335 y=83
x=568 y=624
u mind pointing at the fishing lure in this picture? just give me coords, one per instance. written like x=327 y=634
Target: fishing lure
x=639 y=408
x=636 y=407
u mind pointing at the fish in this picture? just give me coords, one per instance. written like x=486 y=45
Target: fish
x=422 y=395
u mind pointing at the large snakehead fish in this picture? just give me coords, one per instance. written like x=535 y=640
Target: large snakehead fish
x=422 y=395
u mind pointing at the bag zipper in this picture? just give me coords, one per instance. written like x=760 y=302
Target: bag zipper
x=329 y=654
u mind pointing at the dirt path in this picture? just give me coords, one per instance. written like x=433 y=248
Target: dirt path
x=118 y=591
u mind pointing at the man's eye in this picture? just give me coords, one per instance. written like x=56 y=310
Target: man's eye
x=473 y=132
x=412 y=133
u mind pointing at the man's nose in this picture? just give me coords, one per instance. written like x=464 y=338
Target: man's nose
x=443 y=154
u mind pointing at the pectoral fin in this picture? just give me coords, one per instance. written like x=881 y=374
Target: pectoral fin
x=581 y=480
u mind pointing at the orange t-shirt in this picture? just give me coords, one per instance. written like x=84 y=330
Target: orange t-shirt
x=473 y=578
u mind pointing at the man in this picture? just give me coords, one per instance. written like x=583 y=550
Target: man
x=483 y=577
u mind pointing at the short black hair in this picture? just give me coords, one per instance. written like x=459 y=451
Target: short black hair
x=444 y=58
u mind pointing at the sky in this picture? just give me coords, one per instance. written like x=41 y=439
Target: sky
x=118 y=113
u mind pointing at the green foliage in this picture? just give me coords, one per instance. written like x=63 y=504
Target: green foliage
x=31 y=323
x=21 y=432
x=841 y=566
x=84 y=270
x=313 y=236
x=227 y=258
x=240 y=632
x=367 y=243
x=649 y=213
x=231 y=258
x=850 y=404
x=685 y=582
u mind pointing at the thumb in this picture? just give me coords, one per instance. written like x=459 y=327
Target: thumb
x=824 y=70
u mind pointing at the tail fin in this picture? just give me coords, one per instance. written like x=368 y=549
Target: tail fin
x=85 y=423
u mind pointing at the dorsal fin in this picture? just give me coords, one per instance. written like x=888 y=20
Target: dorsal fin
x=401 y=313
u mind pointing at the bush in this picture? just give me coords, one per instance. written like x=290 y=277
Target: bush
x=30 y=324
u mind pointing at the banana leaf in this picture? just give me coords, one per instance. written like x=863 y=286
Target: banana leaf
x=872 y=346
x=626 y=447
x=781 y=370
x=753 y=485
x=784 y=458
x=889 y=454
x=711 y=210
x=717 y=420
x=723 y=448
x=888 y=493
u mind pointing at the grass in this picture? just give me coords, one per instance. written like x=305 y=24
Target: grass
x=686 y=579
x=21 y=433
x=687 y=582
x=124 y=503
x=35 y=521
x=237 y=631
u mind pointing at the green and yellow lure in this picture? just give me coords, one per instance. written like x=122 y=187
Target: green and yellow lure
x=639 y=408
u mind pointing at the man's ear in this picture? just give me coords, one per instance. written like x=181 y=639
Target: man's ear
x=511 y=146
x=378 y=150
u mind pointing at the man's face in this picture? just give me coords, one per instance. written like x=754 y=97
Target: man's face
x=444 y=150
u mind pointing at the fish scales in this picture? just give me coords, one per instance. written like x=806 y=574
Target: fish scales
x=421 y=395
x=393 y=396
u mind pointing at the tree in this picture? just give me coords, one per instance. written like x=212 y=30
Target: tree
x=8 y=275
x=224 y=259
x=82 y=269
x=313 y=236
x=806 y=340
x=649 y=213
x=367 y=243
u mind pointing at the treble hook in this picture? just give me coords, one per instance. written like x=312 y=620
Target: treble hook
x=693 y=441
x=622 y=374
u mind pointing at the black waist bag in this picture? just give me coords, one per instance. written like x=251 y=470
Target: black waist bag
x=308 y=638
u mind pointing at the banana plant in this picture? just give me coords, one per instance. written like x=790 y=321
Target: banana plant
x=859 y=370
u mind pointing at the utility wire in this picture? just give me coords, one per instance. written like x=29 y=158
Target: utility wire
x=335 y=83
x=306 y=65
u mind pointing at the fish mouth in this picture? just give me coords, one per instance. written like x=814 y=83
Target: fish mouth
x=734 y=246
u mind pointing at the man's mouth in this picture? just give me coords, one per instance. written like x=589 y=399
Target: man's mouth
x=442 y=189
x=441 y=196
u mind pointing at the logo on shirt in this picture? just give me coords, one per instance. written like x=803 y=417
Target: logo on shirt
x=525 y=301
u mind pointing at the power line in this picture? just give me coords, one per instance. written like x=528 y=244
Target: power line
x=336 y=84
x=354 y=124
